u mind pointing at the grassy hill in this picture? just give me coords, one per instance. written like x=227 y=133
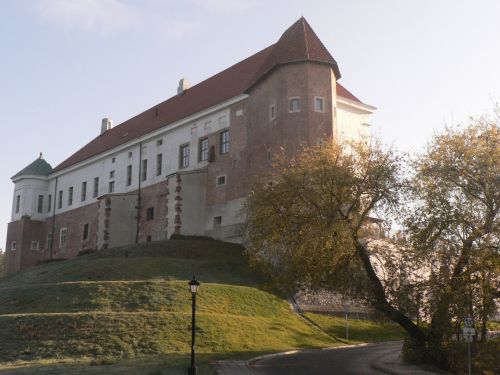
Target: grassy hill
x=127 y=311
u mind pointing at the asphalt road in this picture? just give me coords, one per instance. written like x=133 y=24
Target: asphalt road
x=339 y=361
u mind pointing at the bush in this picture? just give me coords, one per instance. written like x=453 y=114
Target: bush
x=414 y=352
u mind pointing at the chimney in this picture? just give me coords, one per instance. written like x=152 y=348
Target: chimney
x=183 y=86
x=106 y=124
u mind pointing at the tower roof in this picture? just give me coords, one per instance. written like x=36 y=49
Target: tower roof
x=298 y=43
x=38 y=168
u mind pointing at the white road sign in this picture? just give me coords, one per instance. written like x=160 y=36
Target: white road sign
x=469 y=331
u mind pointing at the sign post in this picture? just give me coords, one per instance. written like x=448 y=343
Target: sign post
x=468 y=332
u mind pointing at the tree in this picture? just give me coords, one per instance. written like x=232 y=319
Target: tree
x=453 y=224
x=306 y=222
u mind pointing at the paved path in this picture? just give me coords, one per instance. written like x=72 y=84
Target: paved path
x=381 y=358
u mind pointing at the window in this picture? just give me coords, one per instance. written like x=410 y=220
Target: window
x=294 y=104
x=272 y=112
x=129 y=175
x=49 y=240
x=112 y=174
x=221 y=180
x=217 y=221
x=13 y=245
x=84 y=190
x=49 y=202
x=70 y=196
x=130 y=154
x=18 y=203
x=159 y=159
x=150 y=213
x=203 y=149
x=62 y=237
x=184 y=156
x=59 y=203
x=224 y=142
x=111 y=188
x=144 y=170
x=148 y=238
x=96 y=187
x=319 y=104
x=35 y=245
x=85 y=235
x=269 y=156
x=40 y=204
x=113 y=159
x=159 y=142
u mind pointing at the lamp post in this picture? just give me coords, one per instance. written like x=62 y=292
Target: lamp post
x=193 y=287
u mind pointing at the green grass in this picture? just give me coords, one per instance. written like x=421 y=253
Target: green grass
x=128 y=310
x=359 y=330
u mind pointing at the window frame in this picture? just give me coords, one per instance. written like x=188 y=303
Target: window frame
x=323 y=104
x=49 y=202
x=70 y=196
x=159 y=164
x=83 y=195
x=35 y=248
x=218 y=178
x=18 y=203
x=63 y=234
x=40 y=204
x=224 y=143
x=272 y=112
x=203 y=153
x=129 y=175
x=184 y=157
x=111 y=187
x=150 y=213
x=13 y=245
x=95 y=192
x=144 y=169
x=85 y=234
x=290 y=101
x=61 y=196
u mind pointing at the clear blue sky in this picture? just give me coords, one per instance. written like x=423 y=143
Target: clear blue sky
x=65 y=64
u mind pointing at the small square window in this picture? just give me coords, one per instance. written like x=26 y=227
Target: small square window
x=130 y=154
x=113 y=159
x=159 y=142
x=221 y=180
x=319 y=104
x=217 y=221
x=35 y=245
x=294 y=104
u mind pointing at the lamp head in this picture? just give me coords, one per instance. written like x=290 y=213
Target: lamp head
x=194 y=285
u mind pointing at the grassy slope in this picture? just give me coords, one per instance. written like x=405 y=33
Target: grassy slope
x=133 y=301
x=359 y=330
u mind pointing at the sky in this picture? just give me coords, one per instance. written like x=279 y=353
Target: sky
x=66 y=64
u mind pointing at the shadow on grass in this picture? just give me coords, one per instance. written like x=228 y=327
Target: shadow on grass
x=171 y=364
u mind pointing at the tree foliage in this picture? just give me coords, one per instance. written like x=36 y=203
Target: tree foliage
x=308 y=226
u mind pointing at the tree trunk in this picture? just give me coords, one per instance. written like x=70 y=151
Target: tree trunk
x=380 y=302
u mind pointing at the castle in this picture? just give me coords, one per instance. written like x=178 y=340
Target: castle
x=185 y=165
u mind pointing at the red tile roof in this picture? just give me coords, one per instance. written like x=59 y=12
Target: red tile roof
x=298 y=43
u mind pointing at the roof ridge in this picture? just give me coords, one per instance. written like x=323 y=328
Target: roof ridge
x=305 y=37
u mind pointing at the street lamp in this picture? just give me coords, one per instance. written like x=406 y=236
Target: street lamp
x=193 y=287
